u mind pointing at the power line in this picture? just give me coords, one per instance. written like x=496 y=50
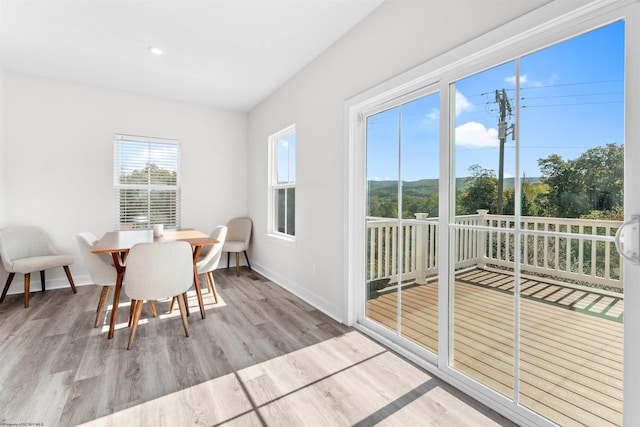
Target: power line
x=572 y=95
x=568 y=84
x=571 y=105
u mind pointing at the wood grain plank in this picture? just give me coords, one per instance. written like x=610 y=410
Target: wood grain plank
x=261 y=357
x=571 y=362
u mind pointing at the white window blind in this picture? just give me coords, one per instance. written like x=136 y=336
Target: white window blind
x=146 y=182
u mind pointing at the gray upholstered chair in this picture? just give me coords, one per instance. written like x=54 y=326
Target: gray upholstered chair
x=25 y=249
x=155 y=271
x=100 y=267
x=238 y=237
x=210 y=259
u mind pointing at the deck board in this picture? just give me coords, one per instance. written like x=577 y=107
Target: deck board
x=570 y=341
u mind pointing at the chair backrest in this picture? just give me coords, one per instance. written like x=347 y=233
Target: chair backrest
x=211 y=258
x=158 y=270
x=100 y=266
x=239 y=230
x=23 y=241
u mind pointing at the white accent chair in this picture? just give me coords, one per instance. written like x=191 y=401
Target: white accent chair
x=238 y=237
x=208 y=262
x=100 y=267
x=155 y=271
x=25 y=249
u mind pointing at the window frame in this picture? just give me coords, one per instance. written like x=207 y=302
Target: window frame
x=273 y=185
x=118 y=186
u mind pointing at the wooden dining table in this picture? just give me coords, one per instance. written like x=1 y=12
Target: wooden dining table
x=118 y=243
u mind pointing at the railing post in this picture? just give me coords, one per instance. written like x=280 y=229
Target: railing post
x=482 y=238
x=421 y=271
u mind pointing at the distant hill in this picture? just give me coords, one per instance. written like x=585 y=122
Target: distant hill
x=429 y=186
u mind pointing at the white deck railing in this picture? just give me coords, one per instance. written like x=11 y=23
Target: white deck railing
x=585 y=252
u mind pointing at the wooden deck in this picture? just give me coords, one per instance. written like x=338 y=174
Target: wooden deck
x=570 y=341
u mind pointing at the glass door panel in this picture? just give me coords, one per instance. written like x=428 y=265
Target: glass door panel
x=383 y=148
x=536 y=294
x=570 y=281
x=420 y=121
x=482 y=234
x=402 y=216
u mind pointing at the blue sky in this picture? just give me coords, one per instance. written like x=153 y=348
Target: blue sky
x=571 y=99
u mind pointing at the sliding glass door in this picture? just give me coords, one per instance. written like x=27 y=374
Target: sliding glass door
x=491 y=201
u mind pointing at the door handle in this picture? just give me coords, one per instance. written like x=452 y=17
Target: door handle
x=628 y=246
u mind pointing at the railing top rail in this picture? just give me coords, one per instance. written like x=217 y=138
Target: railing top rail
x=377 y=220
x=523 y=219
x=555 y=220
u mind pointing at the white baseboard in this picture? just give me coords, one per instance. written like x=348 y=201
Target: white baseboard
x=320 y=303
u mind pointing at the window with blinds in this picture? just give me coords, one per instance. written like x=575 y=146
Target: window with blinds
x=146 y=182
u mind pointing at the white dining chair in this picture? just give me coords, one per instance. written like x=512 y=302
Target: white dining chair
x=238 y=237
x=208 y=262
x=26 y=249
x=155 y=271
x=101 y=269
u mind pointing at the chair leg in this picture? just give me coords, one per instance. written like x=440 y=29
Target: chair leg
x=237 y=263
x=183 y=314
x=247 y=258
x=27 y=283
x=42 y=279
x=173 y=303
x=152 y=307
x=209 y=289
x=228 y=255
x=132 y=312
x=186 y=303
x=103 y=299
x=212 y=286
x=206 y=276
x=68 y=273
x=6 y=286
x=136 y=317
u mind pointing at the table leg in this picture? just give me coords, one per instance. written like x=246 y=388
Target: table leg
x=118 y=261
x=196 y=280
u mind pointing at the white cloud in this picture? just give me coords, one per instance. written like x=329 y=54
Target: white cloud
x=434 y=114
x=476 y=135
x=462 y=103
x=512 y=79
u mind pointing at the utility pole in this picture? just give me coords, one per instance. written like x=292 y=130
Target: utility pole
x=505 y=112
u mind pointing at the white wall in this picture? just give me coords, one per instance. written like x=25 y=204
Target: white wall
x=3 y=276
x=58 y=159
x=397 y=36
x=2 y=142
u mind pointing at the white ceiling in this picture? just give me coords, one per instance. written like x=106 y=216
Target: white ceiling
x=223 y=53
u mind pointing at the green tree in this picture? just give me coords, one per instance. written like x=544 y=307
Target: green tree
x=139 y=205
x=592 y=182
x=480 y=192
x=150 y=174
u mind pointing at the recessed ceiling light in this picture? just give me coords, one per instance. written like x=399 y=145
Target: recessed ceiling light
x=155 y=50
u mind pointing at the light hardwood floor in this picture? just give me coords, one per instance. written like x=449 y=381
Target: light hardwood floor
x=261 y=357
